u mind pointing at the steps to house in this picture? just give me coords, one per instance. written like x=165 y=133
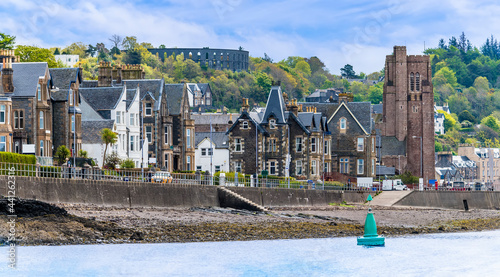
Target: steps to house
x=241 y=199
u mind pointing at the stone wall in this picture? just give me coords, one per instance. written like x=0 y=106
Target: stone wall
x=453 y=199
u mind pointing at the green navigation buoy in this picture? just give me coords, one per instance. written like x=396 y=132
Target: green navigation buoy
x=371 y=238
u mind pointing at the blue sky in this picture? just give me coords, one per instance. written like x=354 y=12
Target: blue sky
x=360 y=33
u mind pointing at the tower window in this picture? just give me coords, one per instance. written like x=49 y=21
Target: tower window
x=412 y=81
x=417 y=82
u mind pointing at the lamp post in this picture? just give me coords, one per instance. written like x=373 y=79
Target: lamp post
x=211 y=153
x=142 y=139
x=421 y=154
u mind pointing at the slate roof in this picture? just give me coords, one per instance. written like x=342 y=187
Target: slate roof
x=378 y=108
x=88 y=113
x=173 y=92
x=103 y=98
x=391 y=146
x=275 y=106
x=26 y=76
x=204 y=119
x=91 y=130
x=130 y=97
x=203 y=87
x=384 y=170
x=88 y=84
x=61 y=95
x=219 y=139
x=63 y=77
x=361 y=110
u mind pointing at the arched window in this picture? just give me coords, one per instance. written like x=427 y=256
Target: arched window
x=206 y=56
x=190 y=55
x=412 y=82
x=417 y=81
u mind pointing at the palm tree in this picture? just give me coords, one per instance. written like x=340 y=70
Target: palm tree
x=108 y=137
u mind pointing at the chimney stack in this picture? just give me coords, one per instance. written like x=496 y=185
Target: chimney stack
x=105 y=78
x=245 y=106
x=7 y=71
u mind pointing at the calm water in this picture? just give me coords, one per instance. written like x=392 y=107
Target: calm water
x=462 y=254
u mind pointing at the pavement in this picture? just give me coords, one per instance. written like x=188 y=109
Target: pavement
x=389 y=197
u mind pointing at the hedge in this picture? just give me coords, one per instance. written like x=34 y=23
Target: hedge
x=7 y=157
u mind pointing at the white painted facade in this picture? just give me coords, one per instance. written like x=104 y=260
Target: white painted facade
x=68 y=60
x=128 y=126
x=220 y=158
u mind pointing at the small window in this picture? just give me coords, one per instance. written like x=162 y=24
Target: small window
x=2 y=114
x=188 y=162
x=188 y=138
x=237 y=166
x=71 y=97
x=131 y=143
x=325 y=144
x=149 y=109
x=149 y=134
x=39 y=92
x=16 y=120
x=313 y=145
x=412 y=81
x=21 y=119
x=343 y=124
x=3 y=143
x=417 y=82
x=298 y=144
x=272 y=168
x=41 y=120
x=313 y=167
x=198 y=168
x=210 y=151
x=244 y=125
x=344 y=165
x=166 y=140
x=298 y=167
x=118 y=117
x=41 y=148
x=272 y=145
x=132 y=119
x=203 y=151
x=361 y=144
x=373 y=167
x=72 y=123
x=237 y=145
x=361 y=166
x=272 y=123
x=217 y=168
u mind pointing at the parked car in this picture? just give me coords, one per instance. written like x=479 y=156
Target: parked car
x=162 y=177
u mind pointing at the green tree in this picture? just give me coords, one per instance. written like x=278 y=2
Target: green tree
x=108 y=137
x=7 y=41
x=129 y=43
x=112 y=160
x=448 y=75
x=77 y=48
x=466 y=115
x=62 y=153
x=438 y=147
x=36 y=54
x=56 y=52
x=449 y=121
x=491 y=122
x=348 y=72
x=303 y=67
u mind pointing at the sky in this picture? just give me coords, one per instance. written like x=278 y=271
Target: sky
x=360 y=33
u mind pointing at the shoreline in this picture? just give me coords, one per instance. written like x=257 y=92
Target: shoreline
x=73 y=224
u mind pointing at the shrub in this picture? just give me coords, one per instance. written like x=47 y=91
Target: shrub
x=127 y=163
x=7 y=157
x=62 y=153
x=112 y=160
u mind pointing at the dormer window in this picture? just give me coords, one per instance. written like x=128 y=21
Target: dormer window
x=244 y=125
x=343 y=123
x=272 y=123
x=149 y=109
x=71 y=97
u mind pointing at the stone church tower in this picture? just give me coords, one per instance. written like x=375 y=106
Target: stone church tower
x=408 y=114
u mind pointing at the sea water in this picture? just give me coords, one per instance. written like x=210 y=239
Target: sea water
x=451 y=254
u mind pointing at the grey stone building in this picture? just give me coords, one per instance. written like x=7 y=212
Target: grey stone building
x=279 y=139
x=229 y=59
x=66 y=115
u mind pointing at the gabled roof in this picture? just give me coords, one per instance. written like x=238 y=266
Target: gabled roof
x=343 y=105
x=131 y=95
x=219 y=139
x=102 y=98
x=63 y=77
x=173 y=93
x=88 y=113
x=275 y=106
x=216 y=118
x=26 y=76
x=246 y=115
